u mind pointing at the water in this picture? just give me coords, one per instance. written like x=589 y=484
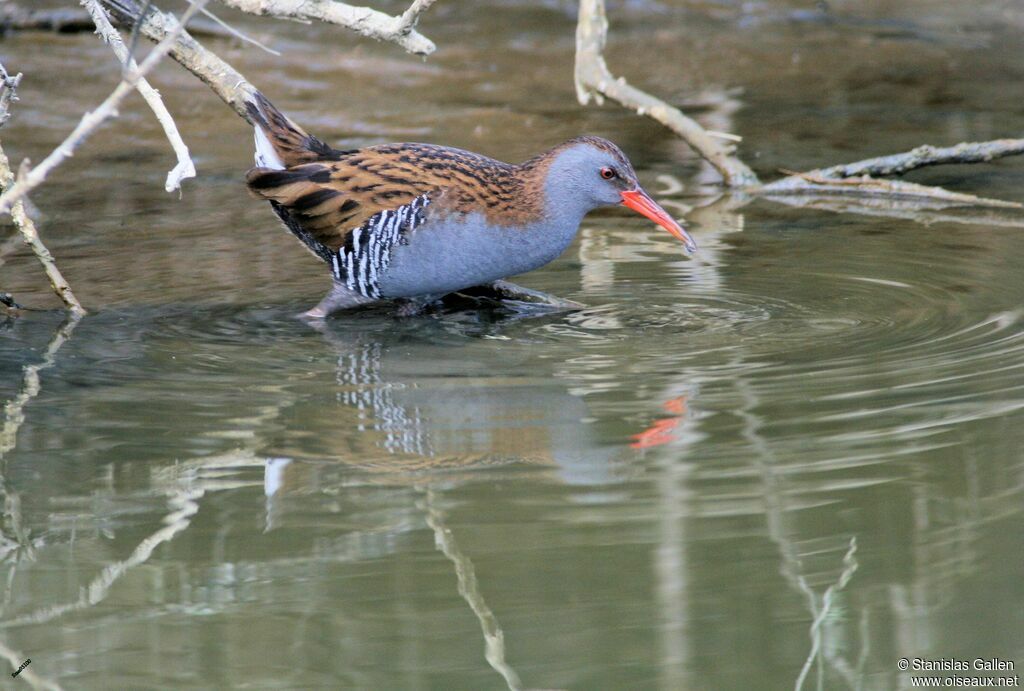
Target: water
x=655 y=492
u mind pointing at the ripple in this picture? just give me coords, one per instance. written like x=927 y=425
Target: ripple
x=884 y=359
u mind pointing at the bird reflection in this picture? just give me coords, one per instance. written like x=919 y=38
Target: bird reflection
x=663 y=430
x=435 y=395
x=364 y=390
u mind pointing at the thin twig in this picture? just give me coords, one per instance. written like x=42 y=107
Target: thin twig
x=91 y=121
x=238 y=34
x=133 y=37
x=26 y=226
x=363 y=20
x=594 y=80
x=185 y=168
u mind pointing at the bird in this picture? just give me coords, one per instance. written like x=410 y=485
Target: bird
x=413 y=222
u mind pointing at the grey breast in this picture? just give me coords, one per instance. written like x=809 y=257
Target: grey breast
x=454 y=251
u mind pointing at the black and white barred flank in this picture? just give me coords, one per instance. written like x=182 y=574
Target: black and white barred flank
x=296 y=229
x=366 y=254
x=364 y=389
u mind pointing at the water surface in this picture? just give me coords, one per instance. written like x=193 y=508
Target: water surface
x=657 y=491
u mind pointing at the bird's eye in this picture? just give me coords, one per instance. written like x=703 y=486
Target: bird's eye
x=608 y=173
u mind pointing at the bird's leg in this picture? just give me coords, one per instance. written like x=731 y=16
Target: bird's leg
x=413 y=307
x=506 y=290
x=339 y=298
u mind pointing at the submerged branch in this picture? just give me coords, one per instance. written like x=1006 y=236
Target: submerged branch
x=91 y=121
x=26 y=226
x=855 y=179
x=925 y=196
x=916 y=211
x=185 y=168
x=594 y=80
x=898 y=164
x=363 y=20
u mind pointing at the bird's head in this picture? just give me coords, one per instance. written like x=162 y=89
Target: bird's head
x=590 y=172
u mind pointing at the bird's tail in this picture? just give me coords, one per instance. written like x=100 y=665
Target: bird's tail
x=280 y=143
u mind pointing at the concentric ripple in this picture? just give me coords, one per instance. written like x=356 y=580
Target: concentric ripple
x=874 y=353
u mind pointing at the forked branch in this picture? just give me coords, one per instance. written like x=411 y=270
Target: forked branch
x=594 y=80
x=157 y=26
x=185 y=168
x=860 y=179
x=91 y=121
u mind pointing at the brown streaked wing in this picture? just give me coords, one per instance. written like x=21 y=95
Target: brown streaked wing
x=332 y=198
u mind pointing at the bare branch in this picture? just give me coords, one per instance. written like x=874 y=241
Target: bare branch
x=897 y=164
x=185 y=168
x=230 y=85
x=363 y=20
x=233 y=88
x=594 y=80
x=24 y=223
x=91 y=121
x=30 y=235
